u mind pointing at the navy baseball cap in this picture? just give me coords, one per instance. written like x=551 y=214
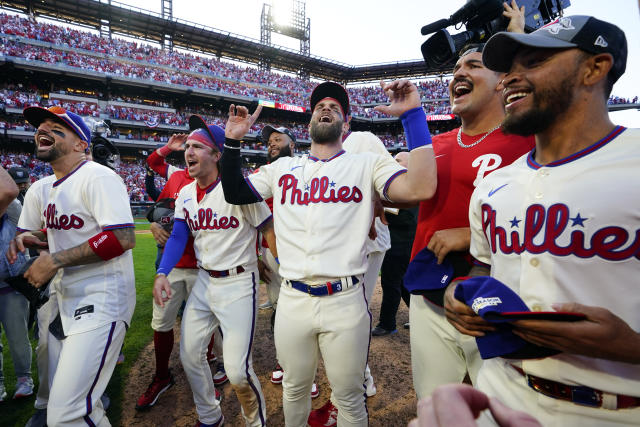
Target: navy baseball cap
x=583 y=32
x=495 y=302
x=268 y=130
x=330 y=90
x=36 y=115
x=19 y=175
x=213 y=133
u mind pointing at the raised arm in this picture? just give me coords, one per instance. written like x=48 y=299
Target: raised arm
x=420 y=181
x=236 y=189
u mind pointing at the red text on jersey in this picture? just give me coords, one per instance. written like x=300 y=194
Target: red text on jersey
x=208 y=220
x=63 y=222
x=318 y=191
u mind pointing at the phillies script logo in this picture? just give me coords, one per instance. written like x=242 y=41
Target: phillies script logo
x=64 y=222
x=612 y=243
x=208 y=220
x=319 y=191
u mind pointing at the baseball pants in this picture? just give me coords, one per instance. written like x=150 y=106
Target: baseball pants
x=497 y=379
x=231 y=301
x=46 y=314
x=85 y=362
x=439 y=353
x=181 y=281
x=336 y=327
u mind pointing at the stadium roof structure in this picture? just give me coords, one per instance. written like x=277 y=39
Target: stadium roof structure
x=135 y=22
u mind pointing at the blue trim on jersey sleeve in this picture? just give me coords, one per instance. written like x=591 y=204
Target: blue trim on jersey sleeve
x=415 y=126
x=22 y=230
x=116 y=226
x=265 y=221
x=388 y=183
x=174 y=248
x=480 y=263
x=64 y=178
x=253 y=189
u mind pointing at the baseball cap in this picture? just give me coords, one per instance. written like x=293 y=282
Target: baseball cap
x=213 y=135
x=19 y=175
x=584 y=32
x=330 y=90
x=37 y=115
x=268 y=130
x=495 y=302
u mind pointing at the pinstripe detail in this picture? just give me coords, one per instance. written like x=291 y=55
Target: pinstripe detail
x=89 y=406
x=246 y=362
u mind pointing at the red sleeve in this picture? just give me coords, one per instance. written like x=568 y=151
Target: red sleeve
x=158 y=164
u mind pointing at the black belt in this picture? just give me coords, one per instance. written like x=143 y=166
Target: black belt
x=216 y=274
x=580 y=395
x=321 y=290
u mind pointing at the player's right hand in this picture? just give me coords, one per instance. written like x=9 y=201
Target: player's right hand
x=159 y=233
x=264 y=272
x=176 y=142
x=240 y=121
x=21 y=242
x=161 y=290
x=462 y=317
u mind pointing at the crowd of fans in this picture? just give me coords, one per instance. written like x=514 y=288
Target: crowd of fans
x=613 y=100
x=193 y=71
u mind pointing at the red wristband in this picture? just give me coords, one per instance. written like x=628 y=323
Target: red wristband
x=164 y=151
x=106 y=245
x=461 y=279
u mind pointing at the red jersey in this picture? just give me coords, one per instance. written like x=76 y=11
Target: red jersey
x=176 y=179
x=459 y=171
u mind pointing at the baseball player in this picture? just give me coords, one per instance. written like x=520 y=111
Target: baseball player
x=280 y=143
x=439 y=353
x=89 y=230
x=182 y=277
x=226 y=285
x=556 y=227
x=322 y=208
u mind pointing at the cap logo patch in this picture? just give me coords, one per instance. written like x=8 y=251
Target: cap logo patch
x=480 y=303
x=444 y=278
x=560 y=24
x=600 y=41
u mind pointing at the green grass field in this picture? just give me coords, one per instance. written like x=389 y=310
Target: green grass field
x=139 y=334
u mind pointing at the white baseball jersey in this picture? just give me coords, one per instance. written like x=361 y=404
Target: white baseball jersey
x=87 y=201
x=362 y=142
x=322 y=210
x=224 y=234
x=568 y=232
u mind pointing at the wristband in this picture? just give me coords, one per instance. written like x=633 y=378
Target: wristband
x=277 y=260
x=416 y=129
x=159 y=274
x=164 y=151
x=234 y=144
x=106 y=245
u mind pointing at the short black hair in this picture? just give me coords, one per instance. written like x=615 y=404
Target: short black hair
x=470 y=48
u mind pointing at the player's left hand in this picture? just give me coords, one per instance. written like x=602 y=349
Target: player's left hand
x=161 y=290
x=378 y=212
x=403 y=96
x=240 y=121
x=515 y=15
x=452 y=239
x=42 y=270
x=602 y=334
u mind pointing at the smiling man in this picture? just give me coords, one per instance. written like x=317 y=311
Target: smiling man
x=558 y=228
x=85 y=210
x=322 y=214
x=226 y=285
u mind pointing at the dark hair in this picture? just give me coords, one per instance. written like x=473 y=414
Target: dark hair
x=473 y=47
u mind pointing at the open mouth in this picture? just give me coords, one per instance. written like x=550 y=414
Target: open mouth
x=45 y=140
x=461 y=89
x=511 y=97
x=191 y=163
x=325 y=119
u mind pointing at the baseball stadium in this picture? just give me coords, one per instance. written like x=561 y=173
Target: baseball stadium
x=160 y=101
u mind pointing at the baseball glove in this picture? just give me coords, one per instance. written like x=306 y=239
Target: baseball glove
x=36 y=296
x=162 y=212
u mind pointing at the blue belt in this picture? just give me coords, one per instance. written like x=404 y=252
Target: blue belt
x=321 y=290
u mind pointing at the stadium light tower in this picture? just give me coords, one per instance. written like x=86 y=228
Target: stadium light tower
x=286 y=17
x=167 y=13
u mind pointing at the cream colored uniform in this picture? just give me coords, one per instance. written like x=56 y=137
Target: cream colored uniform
x=95 y=301
x=224 y=240
x=565 y=232
x=322 y=214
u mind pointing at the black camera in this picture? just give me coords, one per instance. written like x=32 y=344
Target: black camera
x=482 y=19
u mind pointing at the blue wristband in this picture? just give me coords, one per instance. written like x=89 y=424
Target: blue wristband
x=415 y=126
x=277 y=260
